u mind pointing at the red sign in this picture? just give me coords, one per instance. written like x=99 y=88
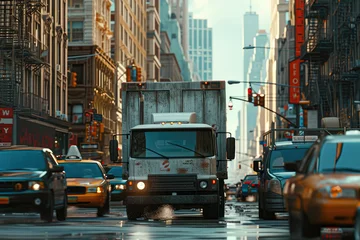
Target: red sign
x=294 y=81
x=299 y=26
x=6 y=125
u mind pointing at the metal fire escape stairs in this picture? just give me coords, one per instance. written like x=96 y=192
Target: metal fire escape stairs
x=18 y=49
x=346 y=38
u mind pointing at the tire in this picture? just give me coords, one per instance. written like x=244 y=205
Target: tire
x=101 y=211
x=61 y=213
x=211 y=211
x=260 y=210
x=307 y=229
x=266 y=215
x=47 y=213
x=134 y=211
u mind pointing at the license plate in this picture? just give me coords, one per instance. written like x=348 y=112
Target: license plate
x=72 y=199
x=4 y=200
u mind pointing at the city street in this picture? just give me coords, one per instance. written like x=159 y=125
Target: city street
x=241 y=222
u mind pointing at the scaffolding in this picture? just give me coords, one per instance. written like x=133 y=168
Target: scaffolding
x=20 y=50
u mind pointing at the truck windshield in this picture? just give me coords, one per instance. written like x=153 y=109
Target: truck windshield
x=172 y=143
x=281 y=156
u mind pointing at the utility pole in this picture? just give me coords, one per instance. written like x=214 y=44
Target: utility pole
x=117 y=59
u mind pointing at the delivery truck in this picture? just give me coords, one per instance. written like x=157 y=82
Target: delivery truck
x=175 y=146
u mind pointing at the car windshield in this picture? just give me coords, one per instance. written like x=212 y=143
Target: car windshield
x=116 y=171
x=251 y=178
x=172 y=143
x=82 y=170
x=22 y=160
x=281 y=156
x=339 y=157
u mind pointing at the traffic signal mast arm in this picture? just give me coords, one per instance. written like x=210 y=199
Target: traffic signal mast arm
x=293 y=124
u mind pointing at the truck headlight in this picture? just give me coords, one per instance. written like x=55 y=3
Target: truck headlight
x=274 y=186
x=36 y=186
x=335 y=192
x=140 y=185
x=120 y=187
x=203 y=184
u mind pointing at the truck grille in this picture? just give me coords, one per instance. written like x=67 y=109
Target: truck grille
x=172 y=182
x=76 y=190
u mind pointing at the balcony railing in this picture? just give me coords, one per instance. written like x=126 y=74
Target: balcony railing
x=318 y=45
x=34 y=102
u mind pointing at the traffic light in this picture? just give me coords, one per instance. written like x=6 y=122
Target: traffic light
x=249 y=95
x=138 y=74
x=256 y=99
x=128 y=73
x=73 y=79
x=133 y=73
x=88 y=117
x=262 y=100
x=102 y=128
x=94 y=129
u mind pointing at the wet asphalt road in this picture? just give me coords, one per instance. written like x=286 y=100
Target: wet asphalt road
x=240 y=222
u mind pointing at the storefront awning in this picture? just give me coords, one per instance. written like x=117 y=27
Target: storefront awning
x=63 y=130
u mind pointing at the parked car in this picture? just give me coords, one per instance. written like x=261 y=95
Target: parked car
x=118 y=185
x=31 y=180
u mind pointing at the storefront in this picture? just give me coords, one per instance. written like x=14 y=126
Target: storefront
x=38 y=133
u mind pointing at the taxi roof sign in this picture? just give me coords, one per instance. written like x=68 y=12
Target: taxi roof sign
x=310 y=138
x=73 y=153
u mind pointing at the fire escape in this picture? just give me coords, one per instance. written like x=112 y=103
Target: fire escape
x=316 y=50
x=342 y=65
x=21 y=53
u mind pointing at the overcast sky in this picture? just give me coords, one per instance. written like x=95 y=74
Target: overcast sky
x=226 y=19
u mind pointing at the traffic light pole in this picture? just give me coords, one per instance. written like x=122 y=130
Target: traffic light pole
x=293 y=124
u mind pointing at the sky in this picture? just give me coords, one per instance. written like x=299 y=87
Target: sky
x=225 y=17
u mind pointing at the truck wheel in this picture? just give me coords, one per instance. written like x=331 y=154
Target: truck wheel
x=134 y=211
x=101 y=211
x=211 y=211
x=47 y=213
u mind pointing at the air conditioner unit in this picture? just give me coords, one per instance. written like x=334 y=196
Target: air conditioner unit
x=58 y=114
x=64 y=117
x=58 y=67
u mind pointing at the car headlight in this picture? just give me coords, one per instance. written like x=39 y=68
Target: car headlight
x=140 y=185
x=120 y=187
x=274 y=186
x=36 y=186
x=95 y=190
x=335 y=192
x=203 y=184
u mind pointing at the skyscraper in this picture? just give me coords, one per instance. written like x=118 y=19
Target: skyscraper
x=200 y=47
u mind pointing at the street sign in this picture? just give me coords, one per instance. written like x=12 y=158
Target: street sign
x=98 y=117
x=6 y=126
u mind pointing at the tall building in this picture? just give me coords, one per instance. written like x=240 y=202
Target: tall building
x=251 y=27
x=153 y=41
x=129 y=24
x=170 y=25
x=170 y=70
x=200 y=47
x=89 y=24
x=180 y=11
x=33 y=73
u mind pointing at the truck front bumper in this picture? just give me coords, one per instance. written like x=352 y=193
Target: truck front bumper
x=172 y=200
x=274 y=202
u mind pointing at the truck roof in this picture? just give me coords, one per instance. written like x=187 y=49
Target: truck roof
x=171 y=126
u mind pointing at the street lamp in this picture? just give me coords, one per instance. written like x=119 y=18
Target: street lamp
x=230 y=82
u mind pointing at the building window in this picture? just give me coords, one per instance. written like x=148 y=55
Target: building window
x=76 y=31
x=77 y=114
x=76 y=3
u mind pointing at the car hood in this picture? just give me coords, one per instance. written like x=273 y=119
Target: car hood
x=21 y=175
x=85 y=182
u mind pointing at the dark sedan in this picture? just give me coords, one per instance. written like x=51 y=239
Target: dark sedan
x=118 y=185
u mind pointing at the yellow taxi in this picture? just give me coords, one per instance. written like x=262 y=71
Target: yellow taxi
x=326 y=189
x=87 y=183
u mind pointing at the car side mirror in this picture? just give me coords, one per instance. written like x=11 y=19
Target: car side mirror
x=110 y=176
x=230 y=148
x=113 y=148
x=57 y=168
x=291 y=166
x=257 y=166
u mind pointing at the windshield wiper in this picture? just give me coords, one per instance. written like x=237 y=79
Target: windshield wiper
x=149 y=149
x=341 y=170
x=178 y=145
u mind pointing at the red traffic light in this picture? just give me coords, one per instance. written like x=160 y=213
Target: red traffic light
x=249 y=92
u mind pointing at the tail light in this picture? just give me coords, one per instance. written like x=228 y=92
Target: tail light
x=247 y=182
x=253 y=185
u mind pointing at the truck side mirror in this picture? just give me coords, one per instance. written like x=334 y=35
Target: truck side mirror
x=230 y=148
x=114 y=154
x=257 y=166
